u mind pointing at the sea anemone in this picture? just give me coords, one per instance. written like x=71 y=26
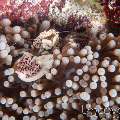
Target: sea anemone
x=5 y=56
x=81 y=39
x=74 y=77
x=81 y=80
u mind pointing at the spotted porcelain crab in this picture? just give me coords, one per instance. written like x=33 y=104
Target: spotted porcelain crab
x=30 y=68
x=46 y=40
